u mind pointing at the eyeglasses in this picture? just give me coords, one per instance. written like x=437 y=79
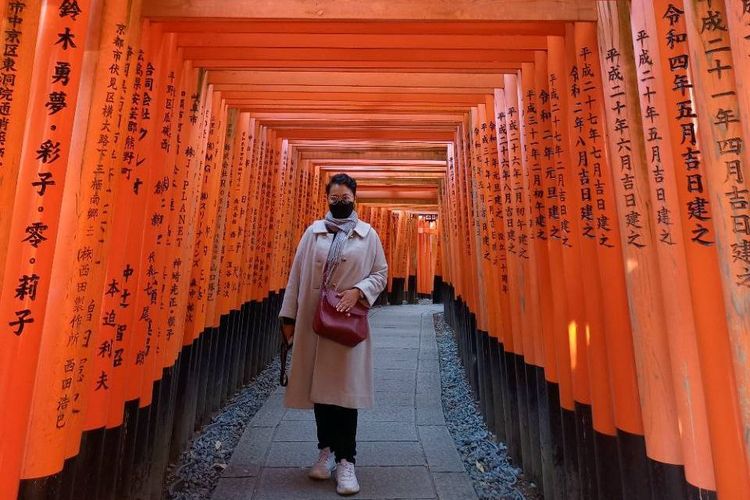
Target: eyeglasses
x=333 y=199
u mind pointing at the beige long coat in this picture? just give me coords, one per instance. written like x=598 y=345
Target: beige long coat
x=323 y=371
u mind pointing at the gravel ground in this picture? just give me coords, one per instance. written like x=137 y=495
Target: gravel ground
x=486 y=460
x=197 y=472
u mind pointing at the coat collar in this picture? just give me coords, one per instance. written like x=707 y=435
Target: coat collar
x=362 y=227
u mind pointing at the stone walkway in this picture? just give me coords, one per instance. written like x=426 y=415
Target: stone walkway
x=404 y=449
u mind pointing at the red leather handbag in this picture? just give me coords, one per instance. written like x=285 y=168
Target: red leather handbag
x=347 y=328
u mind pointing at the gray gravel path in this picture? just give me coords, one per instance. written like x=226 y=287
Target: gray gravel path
x=486 y=461
x=196 y=474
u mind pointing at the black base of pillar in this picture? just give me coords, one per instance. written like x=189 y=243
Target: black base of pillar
x=129 y=461
x=437 y=290
x=396 y=295
x=411 y=294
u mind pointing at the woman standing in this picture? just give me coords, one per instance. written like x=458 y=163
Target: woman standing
x=333 y=379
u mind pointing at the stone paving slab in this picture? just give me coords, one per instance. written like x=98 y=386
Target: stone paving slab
x=429 y=400
x=369 y=453
x=439 y=449
x=391 y=363
x=453 y=486
x=304 y=431
x=270 y=413
x=404 y=450
x=388 y=414
x=430 y=416
x=230 y=488
x=376 y=414
x=397 y=353
x=251 y=450
x=376 y=482
x=406 y=376
x=394 y=398
x=394 y=342
x=429 y=365
x=428 y=382
x=297 y=414
x=393 y=385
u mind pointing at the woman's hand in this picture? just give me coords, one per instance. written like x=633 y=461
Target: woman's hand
x=288 y=330
x=348 y=299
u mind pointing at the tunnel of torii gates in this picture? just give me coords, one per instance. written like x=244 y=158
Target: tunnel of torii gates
x=569 y=178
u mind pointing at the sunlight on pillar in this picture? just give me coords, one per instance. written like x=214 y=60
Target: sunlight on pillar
x=630 y=265
x=572 y=334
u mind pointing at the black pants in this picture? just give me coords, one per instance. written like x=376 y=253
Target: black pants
x=337 y=429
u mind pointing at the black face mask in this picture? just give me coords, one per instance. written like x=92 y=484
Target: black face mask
x=341 y=210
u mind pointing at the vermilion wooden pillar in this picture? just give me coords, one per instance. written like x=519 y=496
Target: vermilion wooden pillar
x=36 y=214
x=717 y=109
x=628 y=176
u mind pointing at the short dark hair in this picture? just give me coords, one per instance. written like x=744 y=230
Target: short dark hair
x=342 y=180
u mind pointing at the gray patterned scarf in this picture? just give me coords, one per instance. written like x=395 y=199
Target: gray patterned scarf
x=341 y=229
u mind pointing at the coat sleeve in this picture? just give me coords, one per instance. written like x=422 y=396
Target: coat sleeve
x=376 y=282
x=291 y=292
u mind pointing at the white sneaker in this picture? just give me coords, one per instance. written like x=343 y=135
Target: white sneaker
x=323 y=467
x=346 y=479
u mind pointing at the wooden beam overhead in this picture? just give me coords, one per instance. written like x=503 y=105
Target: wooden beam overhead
x=359 y=65
x=363 y=123
x=302 y=105
x=356 y=79
x=382 y=162
x=332 y=151
x=395 y=149
x=348 y=54
x=251 y=89
x=416 y=208
x=317 y=27
x=396 y=196
x=237 y=97
x=403 y=172
x=400 y=192
x=436 y=10
x=361 y=126
x=405 y=176
x=369 y=134
x=391 y=181
x=355 y=117
x=370 y=181
x=420 y=127
x=309 y=106
x=404 y=203
x=373 y=185
x=360 y=41
x=423 y=190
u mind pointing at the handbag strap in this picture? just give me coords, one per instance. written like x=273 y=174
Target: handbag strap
x=324 y=278
x=283 y=355
x=283 y=377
